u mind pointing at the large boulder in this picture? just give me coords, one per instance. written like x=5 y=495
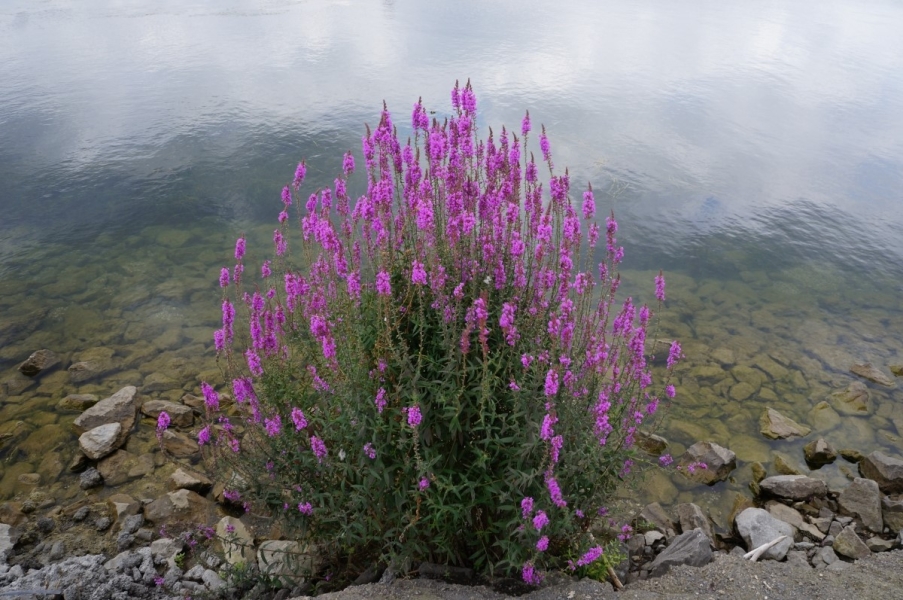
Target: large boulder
x=237 y=541
x=719 y=462
x=121 y=407
x=848 y=544
x=884 y=469
x=793 y=487
x=179 y=444
x=873 y=374
x=100 y=441
x=758 y=527
x=38 y=362
x=692 y=548
x=775 y=426
x=862 y=499
x=183 y=506
x=892 y=512
x=179 y=414
x=691 y=517
x=288 y=562
x=851 y=400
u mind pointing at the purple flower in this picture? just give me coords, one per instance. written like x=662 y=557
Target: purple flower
x=526 y=507
x=305 y=508
x=383 y=285
x=673 y=354
x=279 y=241
x=591 y=555
x=660 y=286
x=219 y=340
x=159 y=580
x=273 y=425
x=211 y=398
x=239 y=249
x=547 y=431
x=265 y=269
x=348 y=164
x=204 y=436
x=525 y=125
x=298 y=419
x=543 y=543
x=540 y=520
x=286 y=196
x=224 y=277
x=544 y=145
x=162 y=423
x=555 y=492
x=423 y=483
x=231 y=495
x=418 y=273
x=530 y=575
x=551 y=387
x=414 y=416
x=380 y=400
x=370 y=451
x=665 y=460
x=300 y=172
x=253 y=363
x=670 y=391
x=318 y=448
x=589 y=204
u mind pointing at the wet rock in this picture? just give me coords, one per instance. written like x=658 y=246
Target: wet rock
x=16 y=384
x=852 y=400
x=862 y=499
x=819 y=453
x=286 y=561
x=690 y=517
x=180 y=506
x=742 y=391
x=886 y=470
x=116 y=468
x=775 y=426
x=725 y=356
x=848 y=544
x=876 y=544
x=91 y=478
x=90 y=364
x=719 y=461
x=38 y=362
x=757 y=527
x=872 y=373
x=892 y=512
x=29 y=478
x=179 y=414
x=100 y=441
x=179 y=445
x=784 y=465
x=77 y=402
x=237 y=542
x=851 y=455
x=189 y=480
x=793 y=487
x=658 y=518
x=689 y=548
x=120 y=408
x=896 y=370
x=651 y=443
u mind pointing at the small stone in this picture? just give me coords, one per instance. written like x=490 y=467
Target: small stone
x=81 y=514
x=783 y=465
x=91 y=478
x=124 y=541
x=892 y=512
x=774 y=425
x=102 y=524
x=179 y=444
x=826 y=555
x=213 y=581
x=872 y=373
x=850 y=455
x=848 y=544
x=876 y=544
x=852 y=400
x=819 y=453
x=794 y=487
x=838 y=566
x=719 y=462
x=656 y=516
x=46 y=524
x=132 y=523
x=38 y=362
x=120 y=408
x=651 y=537
x=57 y=551
x=798 y=559
x=896 y=370
x=101 y=441
x=651 y=443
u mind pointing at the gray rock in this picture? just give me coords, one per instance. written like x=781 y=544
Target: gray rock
x=288 y=562
x=8 y=539
x=46 y=524
x=91 y=478
x=892 y=511
x=102 y=524
x=848 y=544
x=757 y=527
x=691 y=517
x=81 y=514
x=132 y=523
x=819 y=453
x=798 y=558
x=835 y=528
x=862 y=499
x=884 y=469
x=237 y=541
x=165 y=550
x=57 y=551
x=651 y=537
x=719 y=462
x=838 y=566
x=101 y=441
x=793 y=487
x=690 y=548
x=656 y=516
x=873 y=374
x=189 y=480
x=124 y=541
x=38 y=362
x=213 y=581
x=182 y=505
x=852 y=400
x=876 y=544
x=825 y=555
x=120 y=408
x=179 y=414
x=195 y=573
x=775 y=426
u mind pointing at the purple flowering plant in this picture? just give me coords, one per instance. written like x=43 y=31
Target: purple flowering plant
x=458 y=322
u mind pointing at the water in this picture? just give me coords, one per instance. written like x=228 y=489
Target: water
x=754 y=152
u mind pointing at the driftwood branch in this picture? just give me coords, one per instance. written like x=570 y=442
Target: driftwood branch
x=754 y=555
x=614 y=578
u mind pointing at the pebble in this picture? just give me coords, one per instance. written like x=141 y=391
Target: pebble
x=46 y=524
x=81 y=514
x=102 y=524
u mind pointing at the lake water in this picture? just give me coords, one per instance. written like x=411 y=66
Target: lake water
x=752 y=150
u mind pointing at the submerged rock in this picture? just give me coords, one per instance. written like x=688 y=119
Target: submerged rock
x=38 y=362
x=774 y=425
x=77 y=402
x=819 y=453
x=872 y=373
x=758 y=527
x=886 y=470
x=692 y=548
x=719 y=462
x=851 y=400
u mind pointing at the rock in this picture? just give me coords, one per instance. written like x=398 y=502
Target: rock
x=892 y=512
x=896 y=370
x=876 y=544
x=793 y=487
x=819 y=453
x=116 y=468
x=102 y=524
x=189 y=480
x=848 y=544
x=8 y=539
x=651 y=443
x=290 y=563
x=691 y=517
x=81 y=514
x=91 y=478
x=784 y=466
x=851 y=455
x=862 y=499
x=823 y=417
x=872 y=373
x=213 y=581
x=689 y=548
x=165 y=549
x=46 y=524
x=825 y=555
x=180 y=506
x=651 y=537
x=798 y=559
x=38 y=362
x=852 y=400
x=775 y=426
x=57 y=551
x=719 y=462
x=122 y=506
x=656 y=516
x=884 y=469
x=132 y=523
x=180 y=415
x=784 y=513
x=120 y=408
x=77 y=402
x=179 y=444
x=757 y=527
x=100 y=441
x=236 y=540
x=742 y=391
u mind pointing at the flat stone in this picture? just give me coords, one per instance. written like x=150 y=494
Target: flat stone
x=179 y=414
x=120 y=408
x=784 y=465
x=892 y=512
x=823 y=418
x=179 y=444
x=819 y=453
x=182 y=506
x=825 y=555
x=692 y=548
x=77 y=402
x=91 y=478
x=288 y=562
x=852 y=400
x=122 y=506
x=862 y=499
x=38 y=362
x=872 y=373
x=158 y=382
x=876 y=544
x=848 y=544
x=651 y=443
x=100 y=441
x=116 y=467
x=757 y=527
x=793 y=487
x=189 y=480
x=237 y=542
x=775 y=426
x=791 y=516
x=884 y=469
x=719 y=462
x=690 y=517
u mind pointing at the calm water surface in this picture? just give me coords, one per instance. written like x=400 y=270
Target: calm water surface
x=754 y=151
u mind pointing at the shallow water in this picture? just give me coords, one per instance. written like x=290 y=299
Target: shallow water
x=754 y=152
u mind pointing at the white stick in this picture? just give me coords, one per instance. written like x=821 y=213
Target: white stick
x=755 y=554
